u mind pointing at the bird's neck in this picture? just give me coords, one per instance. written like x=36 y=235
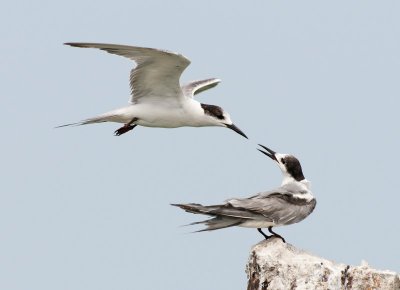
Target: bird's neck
x=305 y=184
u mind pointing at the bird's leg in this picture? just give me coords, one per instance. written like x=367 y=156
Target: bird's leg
x=126 y=128
x=275 y=234
x=261 y=232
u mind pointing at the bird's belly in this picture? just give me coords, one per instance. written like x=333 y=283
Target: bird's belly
x=160 y=123
x=257 y=224
x=171 y=118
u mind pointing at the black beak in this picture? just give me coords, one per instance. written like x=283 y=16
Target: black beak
x=236 y=129
x=270 y=153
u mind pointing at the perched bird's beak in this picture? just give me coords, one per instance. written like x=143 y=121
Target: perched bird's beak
x=236 y=129
x=270 y=153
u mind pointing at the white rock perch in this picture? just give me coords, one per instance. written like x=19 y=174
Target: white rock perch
x=274 y=265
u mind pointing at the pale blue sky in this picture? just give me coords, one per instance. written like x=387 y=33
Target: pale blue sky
x=82 y=209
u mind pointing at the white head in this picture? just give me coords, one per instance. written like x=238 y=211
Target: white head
x=289 y=165
x=216 y=116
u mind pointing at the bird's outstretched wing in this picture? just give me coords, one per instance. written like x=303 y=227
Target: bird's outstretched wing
x=156 y=75
x=193 y=88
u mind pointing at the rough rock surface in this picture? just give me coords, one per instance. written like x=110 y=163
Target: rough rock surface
x=278 y=266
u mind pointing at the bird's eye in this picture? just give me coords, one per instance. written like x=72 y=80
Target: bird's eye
x=221 y=117
x=282 y=161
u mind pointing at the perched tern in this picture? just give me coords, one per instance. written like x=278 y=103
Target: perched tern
x=288 y=204
x=157 y=99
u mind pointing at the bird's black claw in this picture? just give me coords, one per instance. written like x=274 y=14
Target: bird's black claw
x=123 y=130
x=283 y=240
x=276 y=235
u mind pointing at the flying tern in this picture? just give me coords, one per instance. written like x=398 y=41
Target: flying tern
x=157 y=99
x=288 y=204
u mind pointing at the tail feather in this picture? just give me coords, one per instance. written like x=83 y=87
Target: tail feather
x=219 y=222
x=225 y=210
x=215 y=223
x=198 y=208
x=97 y=119
x=67 y=125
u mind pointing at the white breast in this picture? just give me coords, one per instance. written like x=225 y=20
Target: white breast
x=189 y=113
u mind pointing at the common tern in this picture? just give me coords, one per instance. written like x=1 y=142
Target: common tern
x=288 y=204
x=157 y=99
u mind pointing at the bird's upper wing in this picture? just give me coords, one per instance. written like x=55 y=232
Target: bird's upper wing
x=196 y=87
x=156 y=75
x=278 y=206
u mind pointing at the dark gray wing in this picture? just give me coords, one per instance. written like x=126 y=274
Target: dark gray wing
x=279 y=207
x=216 y=210
x=224 y=215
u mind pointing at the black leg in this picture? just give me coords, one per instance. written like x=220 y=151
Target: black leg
x=261 y=232
x=126 y=128
x=275 y=234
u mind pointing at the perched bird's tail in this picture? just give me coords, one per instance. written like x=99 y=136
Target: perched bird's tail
x=219 y=221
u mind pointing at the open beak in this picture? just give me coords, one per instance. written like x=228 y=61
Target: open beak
x=236 y=129
x=270 y=153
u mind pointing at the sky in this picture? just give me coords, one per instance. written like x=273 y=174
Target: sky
x=83 y=209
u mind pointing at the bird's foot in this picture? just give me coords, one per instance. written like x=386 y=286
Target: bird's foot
x=124 y=129
x=276 y=235
x=280 y=237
